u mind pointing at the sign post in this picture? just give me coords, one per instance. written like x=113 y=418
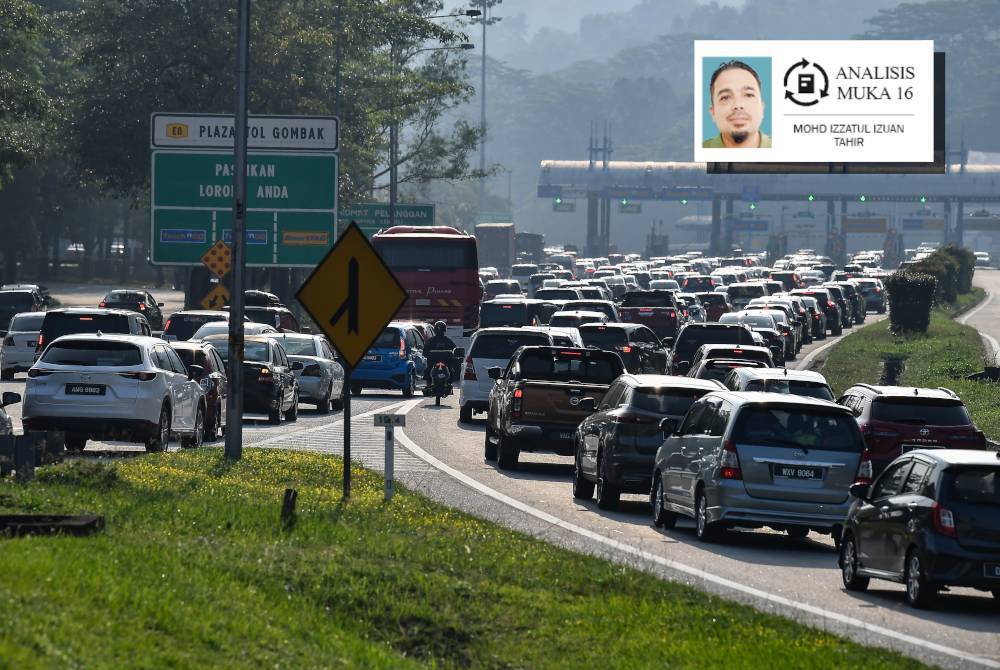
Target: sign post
x=389 y=421
x=352 y=296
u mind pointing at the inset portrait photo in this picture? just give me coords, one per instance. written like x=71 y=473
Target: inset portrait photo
x=737 y=99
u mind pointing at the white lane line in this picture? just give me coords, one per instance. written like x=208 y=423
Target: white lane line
x=412 y=447
x=990 y=340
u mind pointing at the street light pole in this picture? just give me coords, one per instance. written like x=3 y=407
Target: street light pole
x=482 y=115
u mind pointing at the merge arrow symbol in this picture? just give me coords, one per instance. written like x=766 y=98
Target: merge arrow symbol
x=350 y=305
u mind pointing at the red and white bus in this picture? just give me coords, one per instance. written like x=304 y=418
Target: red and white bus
x=439 y=268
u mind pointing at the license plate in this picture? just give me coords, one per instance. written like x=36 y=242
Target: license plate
x=373 y=357
x=85 y=389
x=796 y=472
x=991 y=570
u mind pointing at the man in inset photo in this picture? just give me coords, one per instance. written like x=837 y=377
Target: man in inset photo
x=737 y=107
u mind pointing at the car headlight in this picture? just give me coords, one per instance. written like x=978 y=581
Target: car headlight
x=206 y=384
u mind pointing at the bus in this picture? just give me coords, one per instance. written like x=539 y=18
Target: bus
x=439 y=268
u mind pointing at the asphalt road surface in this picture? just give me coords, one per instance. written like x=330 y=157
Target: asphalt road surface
x=797 y=578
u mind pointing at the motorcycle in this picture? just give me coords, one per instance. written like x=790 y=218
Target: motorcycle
x=439 y=364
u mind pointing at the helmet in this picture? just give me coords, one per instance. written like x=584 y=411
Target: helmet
x=440 y=328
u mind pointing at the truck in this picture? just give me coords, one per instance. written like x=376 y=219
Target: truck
x=539 y=404
x=530 y=247
x=496 y=246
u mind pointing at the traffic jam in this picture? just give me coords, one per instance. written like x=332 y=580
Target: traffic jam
x=668 y=379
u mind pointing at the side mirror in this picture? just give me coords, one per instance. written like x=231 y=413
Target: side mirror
x=296 y=366
x=10 y=398
x=587 y=404
x=195 y=372
x=460 y=353
x=495 y=373
x=668 y=426
x=860 y=491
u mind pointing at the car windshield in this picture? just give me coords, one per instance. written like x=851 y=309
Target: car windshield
x=712 y=298
x=57 y=324
x=666 y=401
x=512 y=314
x=87 y=353
x=798 y=428
x=193 y=357
x=262 y=316
x=300 y=346
x=593 y=367
x=389 y=339
x=27 y=322
x=904 y=410
x=19 y=300
x=255 y=352
x=183 y=326
x=759 y=321
x=501 y=346
x=221 y=345
x=796 y=387
x=556 y=294
x=603 y=338
x=691 y=338
x=647 y=299
x=124 y=298
x=979 y=484
x=746 y=291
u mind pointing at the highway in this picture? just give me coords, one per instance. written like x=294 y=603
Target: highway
x=442 y=458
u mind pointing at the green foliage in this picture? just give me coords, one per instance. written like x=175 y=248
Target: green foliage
x=195 y=570
x=953 y=267
x=966 y=263
x=911 y=296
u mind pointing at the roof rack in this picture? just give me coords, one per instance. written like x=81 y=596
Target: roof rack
x=944 y=389
x=871 y=387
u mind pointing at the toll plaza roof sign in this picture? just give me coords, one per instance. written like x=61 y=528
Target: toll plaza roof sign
x=216 y=131
x=837 y=101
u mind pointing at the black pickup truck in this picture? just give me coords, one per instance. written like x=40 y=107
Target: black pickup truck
x=535 y=404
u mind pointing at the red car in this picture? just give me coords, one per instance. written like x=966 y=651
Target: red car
x=656 y=309
x=212 y=379
x=716 y=304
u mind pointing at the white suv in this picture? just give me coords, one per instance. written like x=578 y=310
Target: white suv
x=114 y=387
x=491 y=347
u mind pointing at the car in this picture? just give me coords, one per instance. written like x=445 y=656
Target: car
x=15 y=301
x=605 y=307
x=741 y=293
x=785 y=318
x=693 y=335
x=110 y=386
x=696 y=283
x=789 y=280
x=496 y=287
x=138 y=301
x=796 y=382
x=845 y=304
x=560 y=293
x=9 y=398
x=575 y=319
x=716 y=304
x=19 y=344
x=561 y=337
x=758 y=459
x=269 y=382
x=321 y=379
x=982 y=259
x=639 y=348
x=656 y=309
x=777 y=338
x=857 y=300
x=222 y=327
x=212 y=378
x=929 y=521
x=825 y=300
x=873 y=293
x=78 y=320
x=535 y=402
x=491 y=347
x=615 y=446
x=817 y=317
x=896 y=419
x=513 y=312
x=733 y=352
x=252 y=298
x=664 y=284
x=182 y=325
x=717 y=368
x=691 y=307
x=279 y=318
x=395 y=361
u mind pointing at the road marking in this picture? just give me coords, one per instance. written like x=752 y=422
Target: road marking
x=323 y=426
x=412 y=447
x=990 y=340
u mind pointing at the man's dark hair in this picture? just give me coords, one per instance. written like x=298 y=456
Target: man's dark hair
x=731 y=65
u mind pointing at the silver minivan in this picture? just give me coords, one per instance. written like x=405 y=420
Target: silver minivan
x=757 y=459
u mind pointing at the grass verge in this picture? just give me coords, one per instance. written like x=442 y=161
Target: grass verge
x=942 y=357
x=195 y=570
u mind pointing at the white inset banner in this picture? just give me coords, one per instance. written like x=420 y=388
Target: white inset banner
x=862 y=101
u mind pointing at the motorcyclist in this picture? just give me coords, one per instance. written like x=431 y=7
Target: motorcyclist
x=440 y=342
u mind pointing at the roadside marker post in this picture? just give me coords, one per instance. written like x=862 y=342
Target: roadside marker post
x=389 y=421
x=352 y=296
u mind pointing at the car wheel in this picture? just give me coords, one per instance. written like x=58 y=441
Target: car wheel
x=797 y=532
x=293 y=412
x=323 y=406
x=583 y=488
x=704 y=530
x=837 y=330
x=507 y=453
x=6 y=375
x=465 y=415
x=490 y=447
x=919 y=591
x=849 y=566
x=662 y=517
x=75 y=442
x=274 y=415
x=338 y=404
x=195 y=440
x=608 y=494
x=356 y=389
x=212 y=427
x=411 y=386
x=159 y=440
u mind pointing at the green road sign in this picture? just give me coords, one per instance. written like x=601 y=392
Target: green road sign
x=291 y=206
x=371 y=216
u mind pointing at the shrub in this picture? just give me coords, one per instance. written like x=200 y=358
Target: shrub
x=945 y=270
x=966 y=261
x=911 y=295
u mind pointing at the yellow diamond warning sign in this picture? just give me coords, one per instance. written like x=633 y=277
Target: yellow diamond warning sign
x=217 y=298
x=352 y=295
x=218 y=259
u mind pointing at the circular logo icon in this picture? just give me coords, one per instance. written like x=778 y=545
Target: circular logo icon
x=574 y=401
x=806 y=83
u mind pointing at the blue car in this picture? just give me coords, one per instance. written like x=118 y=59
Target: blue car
x=395 y=361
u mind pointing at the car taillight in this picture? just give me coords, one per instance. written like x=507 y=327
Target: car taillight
x=141 y=376
x=829 y=303
x=730 y=461
x=672 y=314
x=515 y=409
x=103 y=304
x=402 y=348
x=865 y=470
x=166 y=326
x=9 y=341
x=944 y=521
x=142 y=307
x=626 y=349
x=878 y=290
x=264 y=375
x=470 y=370
x=41 y=342
x=35 y=372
